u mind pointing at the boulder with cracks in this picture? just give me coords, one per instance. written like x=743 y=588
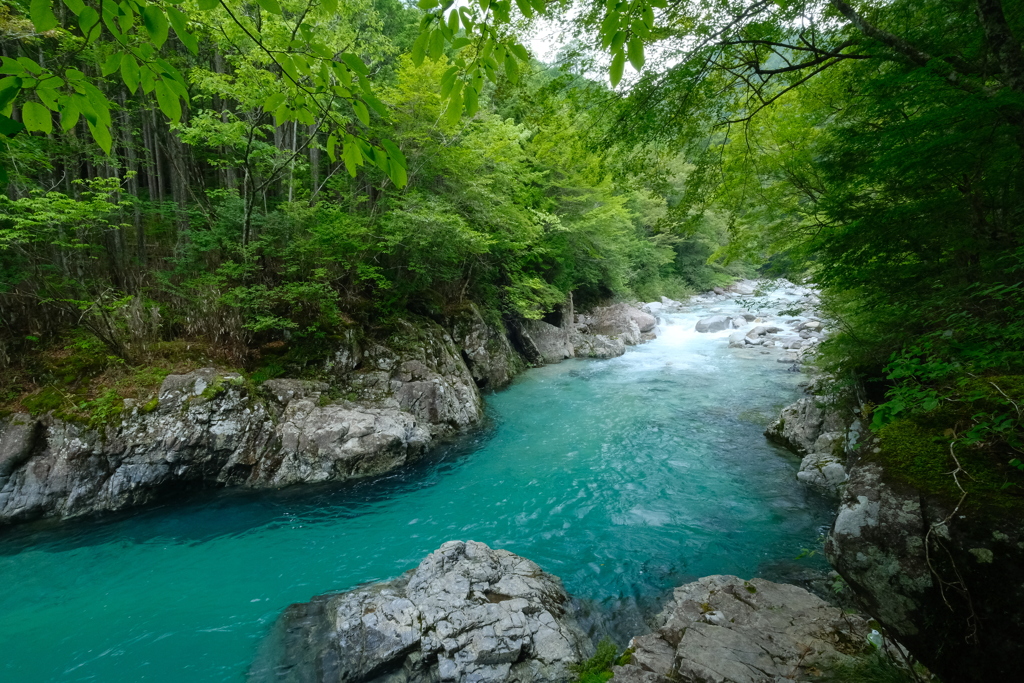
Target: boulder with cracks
x=467 y=613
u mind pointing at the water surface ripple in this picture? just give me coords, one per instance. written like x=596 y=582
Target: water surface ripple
x=624 y=477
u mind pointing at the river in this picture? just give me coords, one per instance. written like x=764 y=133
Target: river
x=624 y=477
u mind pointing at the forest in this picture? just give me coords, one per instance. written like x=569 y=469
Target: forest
x=238 y=182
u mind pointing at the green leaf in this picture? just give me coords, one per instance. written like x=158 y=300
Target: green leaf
x=394 y=153
x=615 y=71
x=419 y=48
x=207 y=5
x=353 y=62
x=76 y=6
x=362 y=113
x=10 y=87
x=169 y=103
x=520 y=52
x=155 y=22
x=427 y=5
x=332 y=143
x=272 y=6
x=112 y=64
x=398 y=175
x=511 y=68
x=101 y=134
x=524 y=7
x=436 y=45
x=454 y=112
x=179 y=21
x=69 y=114
x=331 y=6
x=10 y=127
x=42 y=15
x=351 y=156
x=88 y=18
x=375 y=104
x=636 y=53
x=36 y=117
x=130 y=72
x=472 y=101
x=274 y=101
x=453 y=21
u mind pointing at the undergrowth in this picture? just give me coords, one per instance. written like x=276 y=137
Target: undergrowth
x=598 y=668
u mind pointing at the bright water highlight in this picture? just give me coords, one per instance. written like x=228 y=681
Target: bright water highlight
x=624 y=477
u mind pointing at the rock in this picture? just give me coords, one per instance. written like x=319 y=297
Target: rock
x=597 y=346
x=545 y=343
x=718 y=290
x=486 y=349
x=823 y=470
x=17 y=439
x=948 y=586
x=205 y=429
x=653 y=307
x=209 y=428
x=798 y=426
x=615 y=320
x=467 y=613
x=420 y=370
x=715 y=323
x=723 y=629
x=737 y=340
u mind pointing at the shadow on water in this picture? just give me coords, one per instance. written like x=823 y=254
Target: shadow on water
x=206 y=514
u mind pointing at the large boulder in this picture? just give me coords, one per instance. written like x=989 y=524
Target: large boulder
x=944 y=577
x=620 y=320
x=723 y=629
x=485 y=348
x=545 y=343
x=597 y=346
x=467 y=613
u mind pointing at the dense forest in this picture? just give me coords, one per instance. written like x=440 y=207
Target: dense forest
x=235 y=228
x=240 y=181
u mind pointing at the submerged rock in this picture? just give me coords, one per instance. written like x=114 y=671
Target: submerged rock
x=723 y=629
x=467 y=613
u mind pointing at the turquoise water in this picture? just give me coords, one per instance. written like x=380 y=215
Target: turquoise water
x=624 y=477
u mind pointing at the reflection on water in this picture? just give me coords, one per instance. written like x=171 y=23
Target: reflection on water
x=624 y=477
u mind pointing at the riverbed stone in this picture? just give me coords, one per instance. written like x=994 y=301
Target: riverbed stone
x=467 y=613
x=714 y=323
x=723 y=629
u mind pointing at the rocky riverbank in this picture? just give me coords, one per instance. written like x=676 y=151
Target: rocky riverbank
x=378 y=405
x=940 y=572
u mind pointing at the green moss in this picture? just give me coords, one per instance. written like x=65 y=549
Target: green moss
x=598 y=668
x=45 y=400
x=917 y=452
x=150 y=406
